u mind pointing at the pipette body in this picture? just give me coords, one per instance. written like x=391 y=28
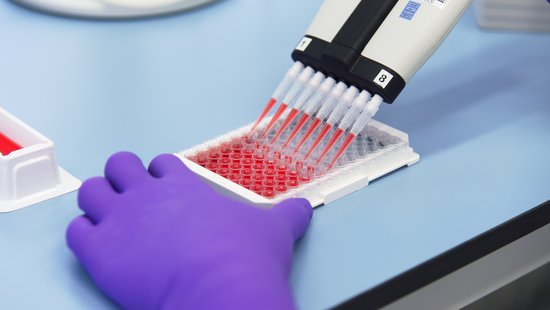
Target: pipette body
x=377 y=45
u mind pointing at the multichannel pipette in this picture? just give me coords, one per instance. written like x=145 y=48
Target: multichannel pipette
x=327 y=107
x=349 y=119
x=295 y=89
x=375 y=46
x=280 y=91
x=339 y=111
x=299 y=104
x=368 y=112
x=312 y=106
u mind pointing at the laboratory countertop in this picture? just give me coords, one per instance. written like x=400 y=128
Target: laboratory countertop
x=478 y=113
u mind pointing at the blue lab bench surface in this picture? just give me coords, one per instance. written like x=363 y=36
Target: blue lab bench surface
x=478 y=113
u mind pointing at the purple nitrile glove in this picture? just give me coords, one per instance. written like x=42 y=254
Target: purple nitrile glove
x=164 y=239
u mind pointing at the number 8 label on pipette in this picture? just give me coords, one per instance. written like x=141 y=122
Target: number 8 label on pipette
x=383 y=78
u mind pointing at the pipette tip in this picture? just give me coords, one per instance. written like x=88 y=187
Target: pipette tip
x=339 y=132
x=266 y=110
x=301 y=123
x=349 y=139
x=322 y=134
x=291 y=116
x=274 y=120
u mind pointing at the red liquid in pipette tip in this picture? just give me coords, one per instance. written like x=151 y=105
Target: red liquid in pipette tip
x=339 y=132
x=322 y=134
x=303 y=120
x=349 y=139
x=266 y=110
x=291 y=116
x=309 y=132
x=275 y=118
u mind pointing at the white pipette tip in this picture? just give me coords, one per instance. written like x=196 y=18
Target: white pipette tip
x=287 y=81
x=327 y=84
x=309 y=89
x=368 y=113
x=343 y=106
x=306 y=74
x=296 y=68
x=332 y=100
x=355 y=110
x=317 y=78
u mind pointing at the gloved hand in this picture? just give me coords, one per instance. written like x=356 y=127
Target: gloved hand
x=164 y=239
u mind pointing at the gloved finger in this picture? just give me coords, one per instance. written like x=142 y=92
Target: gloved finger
x=168 y=164
x=78 y=236
x=297 y=212
x=96 y=198
x=125 y=170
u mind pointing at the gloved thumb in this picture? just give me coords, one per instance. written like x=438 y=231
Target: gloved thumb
x=297 y=213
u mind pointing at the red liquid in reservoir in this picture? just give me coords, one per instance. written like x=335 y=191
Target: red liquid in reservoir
x=7 y=145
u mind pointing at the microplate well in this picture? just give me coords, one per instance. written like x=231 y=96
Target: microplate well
x=261 y=174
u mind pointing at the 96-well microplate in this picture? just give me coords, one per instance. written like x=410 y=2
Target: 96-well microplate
x=262 y=174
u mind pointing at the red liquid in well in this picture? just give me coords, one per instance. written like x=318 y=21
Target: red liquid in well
x=291 y=116
x=7 y=145
x=339 y=132
x=281 y=189
x=236 y=157
x=281 y=179
x=247 y=162
x=303 y=120
x=275 y=118
x=246 y=183
x=214 y=156
x=258 y=178
x=202 y=159
x=258 y=158
x=212 y=166
x=225 y=151
x=270 y=104
x=293 y=184
x=322 y=134
x=224 y=162
x=248 y=153
x=247 y=173
x=237 y=147
x=345 y=145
